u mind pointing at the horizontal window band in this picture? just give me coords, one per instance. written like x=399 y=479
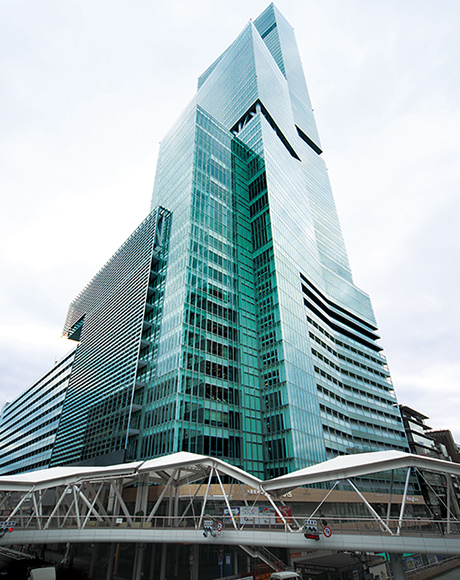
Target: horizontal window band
x=340 y=329
x=337 y=307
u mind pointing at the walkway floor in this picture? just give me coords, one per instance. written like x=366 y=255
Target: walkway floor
x=451 y=575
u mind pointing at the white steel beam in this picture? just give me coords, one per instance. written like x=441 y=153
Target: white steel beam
x=121 y=502
x=370 y=508
x=56 y=507
x=226 y=500
x=205 y=497
x=160 y=499
x=403 y=503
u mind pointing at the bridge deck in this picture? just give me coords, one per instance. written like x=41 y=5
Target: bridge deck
x=365 y=534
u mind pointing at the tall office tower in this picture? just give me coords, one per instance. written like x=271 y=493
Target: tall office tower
x=259 y=296
x=229 y=323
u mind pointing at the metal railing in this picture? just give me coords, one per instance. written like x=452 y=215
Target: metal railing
x=338 y=525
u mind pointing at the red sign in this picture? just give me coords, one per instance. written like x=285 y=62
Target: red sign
x=286 y=512
x=327 y=531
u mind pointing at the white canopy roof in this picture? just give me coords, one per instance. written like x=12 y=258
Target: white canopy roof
x=55 y=476
x=189 y=467
x=193 y=467
x=361 y=464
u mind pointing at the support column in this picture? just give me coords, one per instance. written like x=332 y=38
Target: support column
x=111 y=562
x=152 y=561
x=140 y=511
x=194 y=568
x=138 y=561
x=115 y=564
x=397 y=567
x=71 y=555
x=403 y=503
x=389 y=497
x=163 y=562
x=176 y=560
x=92 y=565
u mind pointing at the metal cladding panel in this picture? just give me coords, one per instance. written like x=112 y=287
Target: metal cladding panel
x=105 y=366
x=114 y=273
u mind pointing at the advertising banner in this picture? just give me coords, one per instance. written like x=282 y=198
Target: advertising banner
x=249 y=515
x=227 y=517
x=286 y=512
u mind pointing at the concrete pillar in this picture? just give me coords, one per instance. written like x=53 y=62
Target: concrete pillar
x=140 y=510
x=397 y=567
x=71 y=555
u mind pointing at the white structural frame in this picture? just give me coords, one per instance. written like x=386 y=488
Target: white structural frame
x=74 y=500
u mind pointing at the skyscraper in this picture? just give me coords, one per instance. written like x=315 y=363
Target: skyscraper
x=228 y=324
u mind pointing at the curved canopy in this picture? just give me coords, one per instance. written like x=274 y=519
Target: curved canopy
x=358 y=465
x=55 y=476
x=193 y=467
x=181 y=468
x=185 y=467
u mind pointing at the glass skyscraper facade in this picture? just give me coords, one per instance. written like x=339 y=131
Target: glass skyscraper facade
x=257 y=246
x=229 y=324
x=29 y=424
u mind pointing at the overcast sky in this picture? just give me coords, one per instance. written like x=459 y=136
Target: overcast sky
x=89 y=88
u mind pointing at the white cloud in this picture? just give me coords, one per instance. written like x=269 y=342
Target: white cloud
x=434 y=392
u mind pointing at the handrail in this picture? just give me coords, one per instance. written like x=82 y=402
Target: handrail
x=337 y=524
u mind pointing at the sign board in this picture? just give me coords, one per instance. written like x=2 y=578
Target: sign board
x=266 y=515
x=327 y=531
x=286 y=512
x=227 y=516
x=208 y=528
x=311 y=530
x=249 y=515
